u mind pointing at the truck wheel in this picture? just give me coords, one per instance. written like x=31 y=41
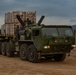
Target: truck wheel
x=22 y=51
x=32 y=54
x=59 y=57
x=3 y=48
x=9 y=52
x=0 y=48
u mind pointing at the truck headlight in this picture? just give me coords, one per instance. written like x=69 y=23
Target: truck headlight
x=73 y=45
x=55 y=41
x=46 y=47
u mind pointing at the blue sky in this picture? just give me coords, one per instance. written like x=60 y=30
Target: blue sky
x=55 y=11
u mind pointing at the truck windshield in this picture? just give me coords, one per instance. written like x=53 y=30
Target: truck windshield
x=50 y=31
x=65 y=31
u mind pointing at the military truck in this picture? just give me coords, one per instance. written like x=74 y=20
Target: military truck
x=35 y=41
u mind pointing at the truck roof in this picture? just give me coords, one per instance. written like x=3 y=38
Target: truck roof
x=57 y=26
x=50 y=26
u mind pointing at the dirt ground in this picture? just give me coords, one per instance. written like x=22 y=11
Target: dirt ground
x=15 y=66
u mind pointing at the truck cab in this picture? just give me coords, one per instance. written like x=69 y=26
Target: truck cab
x=50 y=41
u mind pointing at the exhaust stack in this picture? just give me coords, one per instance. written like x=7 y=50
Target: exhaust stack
x=41 y=19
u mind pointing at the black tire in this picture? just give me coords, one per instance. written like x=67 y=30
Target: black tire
x=0 y=47
x=3 y=48
x=9 y=52
x=59 y=57
x=32 y=54
x=22 y=51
